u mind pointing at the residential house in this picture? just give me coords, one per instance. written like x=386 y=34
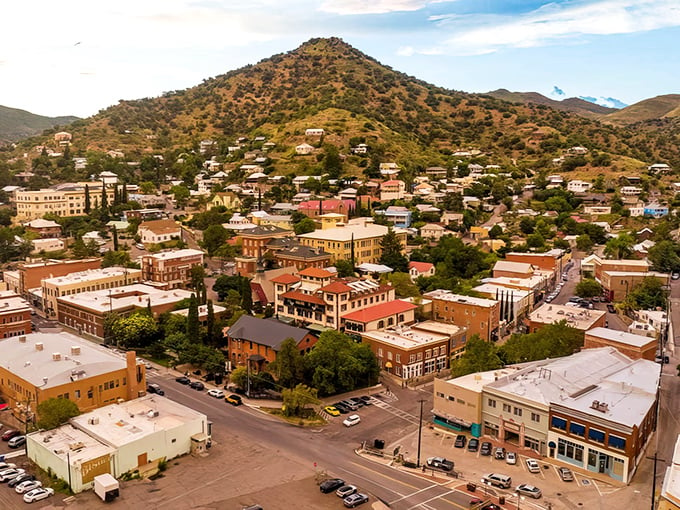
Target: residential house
x=630 y=191
x=46 y=229
x=577 y=186
x=304 y=149
x=416 y=269
x=47 y=245
x=389 y=169
x=596 y=210
x=659 y=168
x=392 y=190
x=226 y=199
x=314 y=132
x=159 y=231
x=399 y=216
x=479 y=316
x=655 y=210
x=433 y=232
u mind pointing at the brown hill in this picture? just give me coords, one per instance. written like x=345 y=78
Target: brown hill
x=572 y=104
x=659 y=107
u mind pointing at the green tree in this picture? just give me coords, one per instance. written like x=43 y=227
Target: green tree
x=54 y=412
x=479 y=356
x=535 y=240
x=619 y=247
x=105 y=199
x=181 y=195
x=288 y=366
x=246 y=296
x=527 y=224
x=239 y=376
x=213 y=238
x=551 y=341
x=649 y=294
x=402 y=285
x=211 y=337
x=296 y=400
x=225 y=283
x=588 y=287
x=391 y=252
x=136 y=330
x=193 y=324
x=88 y=205
x=304 y=226
x=495 y=232
x=332 y=164
x=117 y=258
x=115 y=239
x=584 y=243
x=345 y=268
x=664 y=257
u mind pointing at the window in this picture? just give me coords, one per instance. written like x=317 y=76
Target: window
x=398 y=358
x=577 y=429
x=380 y=352
x=491 y=403
x=536 y=417
x=507 y=408
x=596 y=435
x=518 y=411
x=558 y=423
x=440 y=394
x=566 y=450
x=617 y=442
x=77 y=393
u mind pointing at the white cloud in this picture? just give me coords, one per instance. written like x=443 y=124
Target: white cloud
x=346 y=7
x=406 y=51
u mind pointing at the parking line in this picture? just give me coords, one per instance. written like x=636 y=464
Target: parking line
x=441 y=497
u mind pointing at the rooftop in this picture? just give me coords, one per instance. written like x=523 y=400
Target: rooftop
x=71 y=444
x=264 y=331
x=11 y=303
x=91 y=275
x=174 y=254
x=621 y=337
x=202 y=311
x=33 y=359
x=447 y=295
x=380 y=311
x=315 y=272
x=121 y=298
x=670 y=490
x=160 y=226
x=353 y=229
x=410 y=337
x=513 y=267
x=579 y=318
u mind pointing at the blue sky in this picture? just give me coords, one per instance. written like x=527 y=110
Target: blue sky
x=79 y=56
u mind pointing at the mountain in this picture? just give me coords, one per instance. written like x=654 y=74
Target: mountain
x=609 y=102
x=17 y=124
x=576 y=105
x=655 y=108
x=326 y=83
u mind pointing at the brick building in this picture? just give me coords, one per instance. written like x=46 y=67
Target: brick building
x=31 y=274
x=633 y=346
x=15 y=315
x=254 y=245
x=170 y=269
x=46 y=229
x=479 y=316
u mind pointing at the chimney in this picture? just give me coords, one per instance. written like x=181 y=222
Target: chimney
x=56 y=356
x=39 y=346
x=75 y=350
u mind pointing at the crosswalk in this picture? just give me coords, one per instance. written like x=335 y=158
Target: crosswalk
x=383 y=402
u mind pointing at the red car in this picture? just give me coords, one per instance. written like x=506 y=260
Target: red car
x=9 y=434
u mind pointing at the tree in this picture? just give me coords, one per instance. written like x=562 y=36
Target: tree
x=193 y=324
x=402 y=285
x=117 y=258
x=551 y=341
x=105 y=199
x=664 y=257
x=584 y=243
x=136 y=330
x=588 y=287
x=495 y=232
x=332 y=164
x=213 y=238
x=115 y=239
x=181 y=195
x=649 y=294
x=211 y=335
x=304 y=226
x=88 y=205
x=527 y=224
x=288 y=367
x=225 y=283
x=246 y=296
x=54 y=412
x=619 y=247
x=392 y=255
x=345 y=268
x=295 y=400
x=479 y=356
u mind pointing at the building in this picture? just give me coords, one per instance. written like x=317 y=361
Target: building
x=159 y=231
x=577 y=186
x=86 y=312
x=314 y=132
x=633 y=346
x=118 y=439
x=433 y=232
x=61 y=200
x=170 y=269
x=380 y=316
x=397 y=215
x=656 y=211
x=31 y=274
x=616 y=285
x=301 y=257
x=46 y=245
x=578 y=318
x=15 y=315
x=418 y=350
x=315 y=208
x=554 y=260
x=226 y=199
x=515 y=304
x=39 y=366
x=304 y=149
x=46 y=229
x=218 y=311
x=392 y=190
x=254 y=242
x=669 y=499
x=359 y=239
x=593 y=266
x=145 y=214
x=84 y=281
x=509 y=269
x=259 y=340
x=479 y=316
x=417 y=269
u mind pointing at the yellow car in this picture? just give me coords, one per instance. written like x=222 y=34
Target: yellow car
x=332 y=411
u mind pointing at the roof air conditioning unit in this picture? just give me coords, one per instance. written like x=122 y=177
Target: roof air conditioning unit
x=56 y=356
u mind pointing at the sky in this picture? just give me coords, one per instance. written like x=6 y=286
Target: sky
x=76 y=57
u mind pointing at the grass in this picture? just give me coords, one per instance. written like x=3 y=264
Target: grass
x=310 y=419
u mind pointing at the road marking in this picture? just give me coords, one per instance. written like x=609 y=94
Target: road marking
x=441 y=497
x=414 y=493
x=380 y=474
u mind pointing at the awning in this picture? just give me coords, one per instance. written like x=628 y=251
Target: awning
x=388 y=364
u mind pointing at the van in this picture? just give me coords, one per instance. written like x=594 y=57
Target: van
x=350 y=405
x=502 y=481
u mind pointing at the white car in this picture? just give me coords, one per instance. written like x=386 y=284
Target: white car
x=216 y=393
x=511 y=458
x=351 y=420
x=28 y=485
x=6 y=465
x=38 y=494
x=7 y=474
x=533 y=466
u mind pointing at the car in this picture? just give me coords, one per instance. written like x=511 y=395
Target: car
x=8 y=474
x=356 y=499
x=341 y=407
x=499 y=453
x=253 y=507
x=234 y=399
x=352 y=406
x=183 y=380
x=440 y=463
x=139 y=246
x=6 y=465
x=217 y=393
x=332 y=410
x=497 y=479
x=610 y=308
x=485 y=448
x=529 y=490
x=330 y=485
x=511 y=458
x=351 y=420
x=596 y=299
x=24 y=477
x=548 y=299
x=575 y=299
x=675 y=276
x=346 y=490
x=154 y=388
x=586 y=304
x=27 y=485
x=358 y=401
x=533 y=466
x=197 y=385
x=366 y=399
x=662 y=359
x=9 y=434
x=473 y=444
x=146 y=364
x=565 y=474
x=17 y=442
x=491 y=506
x=460 y=442
x=38 y=494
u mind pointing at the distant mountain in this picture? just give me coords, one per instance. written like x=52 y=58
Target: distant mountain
x=655 y=108
x=609 y=102
x=18 y=124
x=576 y=105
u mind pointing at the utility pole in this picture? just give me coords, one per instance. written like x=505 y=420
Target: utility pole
x=420 y=429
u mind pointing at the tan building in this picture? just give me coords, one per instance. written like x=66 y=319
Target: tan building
x=159 y=231
x=479 y=316
x=669 y=499
x=511 y=269
x=578 y=318
x=46 y=245
x=392 y=190
x=61 y=200
x=226 y=199
x=40 y=366
x=380 y=316
x=46 y=229
x=633 y=346
x=84 y=281
x=616 y=285
x=170 y=269
x=15 y=315
x=32 y=274
x=593 y=266
x=553 y=260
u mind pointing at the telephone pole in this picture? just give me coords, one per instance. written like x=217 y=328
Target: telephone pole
x=420 y=429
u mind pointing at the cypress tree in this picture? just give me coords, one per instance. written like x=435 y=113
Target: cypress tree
x=246 y=296
x=88 y=205
x=210 y=336
x=192 y=318
x=115 y=239
x=105 y=200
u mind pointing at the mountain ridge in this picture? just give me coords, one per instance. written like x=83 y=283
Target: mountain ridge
x=16 y=124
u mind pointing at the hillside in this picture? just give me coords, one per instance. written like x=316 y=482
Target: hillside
x=326 y=83
x=17 y=124
x=572 y=104
x=659 y=107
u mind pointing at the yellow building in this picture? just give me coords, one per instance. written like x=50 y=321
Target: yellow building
x=40 y=366
x=61 y=200
x=227 y=199
x=338 y=238
x=85 y=281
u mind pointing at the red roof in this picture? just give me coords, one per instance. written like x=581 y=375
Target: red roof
x=315 y=272
x=380 y=311
x=336 y=288
x=394 y=182
x=285 y=278
x=257 y=289
x=299 y=296
x=421 y=267
x=328 y=205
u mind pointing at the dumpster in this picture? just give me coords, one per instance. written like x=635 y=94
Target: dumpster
x=379 y=444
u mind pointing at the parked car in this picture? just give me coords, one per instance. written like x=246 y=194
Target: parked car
x=461 y=440
x=154 y=388
x=183 y=380
x=7 y=474
x=234 y=400
x=575 y=299
x=17 y=442
x=330 y=485
x=24 y=477
x=216 y=393
x=491 y=506
x=675 y=276
x=529 y=490
x=355 y=499
x=351 y=420
x=6 y=465
x=358 y=401
x=511 y=458
x=197 y=385
x=440 y=463
x=499 y=453
x=346 y=490
x=565 y=474
x=341 y=407
x=9 y=434
x=332 y=411
x=662 y=359
x=38 y=494
x=27 y=485
x=139 y=246
x=473 y=444
x=366 y=399
x=497 y=479
x=533 y=466
x=610 y=308
x=352 y=406
x=485 y=449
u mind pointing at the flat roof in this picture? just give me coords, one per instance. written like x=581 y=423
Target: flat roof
x=515 y=267
x=447 y=295
x=11 y=303
x=38 y=367
x=91 y=275
x=121 y=298
x=621 y=337
x=202 y=311
x=174 y=254
x=408 y=337
x=71 y=444
x=477 y=381
x=129 y=421
x=353 y=229
x=576 y=317
x=670 y=489
x=490 y=288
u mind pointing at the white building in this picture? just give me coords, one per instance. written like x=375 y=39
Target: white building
x=579 y=186
x=304 y=149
